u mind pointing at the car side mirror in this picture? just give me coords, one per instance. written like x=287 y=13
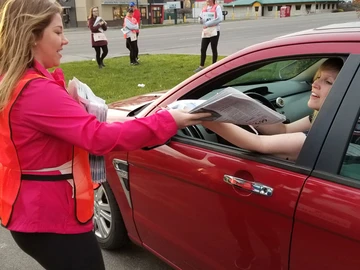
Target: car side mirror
x=147 y=148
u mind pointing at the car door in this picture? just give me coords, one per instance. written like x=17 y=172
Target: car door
x=327 y=221
x=201 y=205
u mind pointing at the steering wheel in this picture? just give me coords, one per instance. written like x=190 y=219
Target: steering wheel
x=262 y=99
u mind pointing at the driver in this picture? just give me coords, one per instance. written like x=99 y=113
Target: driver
x=283 y=140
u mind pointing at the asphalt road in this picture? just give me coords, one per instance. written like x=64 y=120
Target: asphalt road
x=183 y=39
x=130 y=258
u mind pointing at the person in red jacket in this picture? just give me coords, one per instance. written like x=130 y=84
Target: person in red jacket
x=137 y=16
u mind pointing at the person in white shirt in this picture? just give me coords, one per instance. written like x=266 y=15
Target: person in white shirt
x=210 y=17
x=131 y=26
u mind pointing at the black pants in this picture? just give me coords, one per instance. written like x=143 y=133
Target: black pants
x=62 y=251
x=137 y=52
x=133 y=48
x=100 y=58
x=204 y=45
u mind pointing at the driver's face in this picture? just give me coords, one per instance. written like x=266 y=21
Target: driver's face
x=321 y=88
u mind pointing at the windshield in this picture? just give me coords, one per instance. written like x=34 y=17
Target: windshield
x=276 y=71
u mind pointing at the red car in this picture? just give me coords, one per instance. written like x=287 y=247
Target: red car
x=176 y=201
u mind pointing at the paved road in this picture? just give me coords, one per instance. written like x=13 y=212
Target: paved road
x=235 y=35
x=185 y=39
x=131 y=258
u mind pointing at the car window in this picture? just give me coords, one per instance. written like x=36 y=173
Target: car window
x=287 y=93
x=286 y=84
x=275 y=71
x=351 y=162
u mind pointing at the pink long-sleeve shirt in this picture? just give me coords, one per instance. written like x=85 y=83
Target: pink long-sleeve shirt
x=46 y=122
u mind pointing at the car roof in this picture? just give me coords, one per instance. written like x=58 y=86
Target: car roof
x=342 y=32
x=349 y=27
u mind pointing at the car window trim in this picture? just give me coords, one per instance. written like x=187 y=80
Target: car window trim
x=336 y=178
x=243 y=154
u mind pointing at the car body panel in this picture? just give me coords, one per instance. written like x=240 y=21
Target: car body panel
x=180 y=177
x=114 y=180
x=164 y=197
x=132 y=103
x=327 y=228
x=182 y=210
x=327 y=221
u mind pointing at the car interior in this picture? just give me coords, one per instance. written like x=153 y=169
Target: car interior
x=283 y=85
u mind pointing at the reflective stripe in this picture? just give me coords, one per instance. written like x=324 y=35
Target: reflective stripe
x=66 y=168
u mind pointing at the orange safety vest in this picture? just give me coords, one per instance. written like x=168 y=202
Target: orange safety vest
x=11 y=174
x=213 y=9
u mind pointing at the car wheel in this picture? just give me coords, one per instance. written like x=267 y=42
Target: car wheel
x=109 y=226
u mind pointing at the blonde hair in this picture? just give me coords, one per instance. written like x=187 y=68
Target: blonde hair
x=22 y=23
x=331 y=64
x=91 y=16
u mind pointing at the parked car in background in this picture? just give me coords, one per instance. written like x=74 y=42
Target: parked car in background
x=175 y=200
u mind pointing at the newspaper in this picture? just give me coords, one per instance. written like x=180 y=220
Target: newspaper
x=232 y=106
x=208 y=16
x=98 y=20
x=94 y=105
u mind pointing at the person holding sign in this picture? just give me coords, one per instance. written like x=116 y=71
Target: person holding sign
x=130 y=28
x=137 y=16
x=98 y=39
x=210 y=17
x=283 y=140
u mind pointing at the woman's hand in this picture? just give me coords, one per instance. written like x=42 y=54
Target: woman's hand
x=184 y=119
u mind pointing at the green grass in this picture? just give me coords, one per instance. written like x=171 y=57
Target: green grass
x=118 y=80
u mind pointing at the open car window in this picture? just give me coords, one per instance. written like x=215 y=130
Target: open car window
x=285 y=83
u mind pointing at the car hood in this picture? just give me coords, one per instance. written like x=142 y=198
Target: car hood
x=122 y=109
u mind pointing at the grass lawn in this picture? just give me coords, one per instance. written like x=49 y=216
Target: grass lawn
x=118 y=80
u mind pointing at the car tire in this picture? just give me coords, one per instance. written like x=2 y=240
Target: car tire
x=109 y=226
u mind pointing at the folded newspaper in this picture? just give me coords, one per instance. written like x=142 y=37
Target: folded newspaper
x=98 y=20
x=94 y=105
x=232 y=106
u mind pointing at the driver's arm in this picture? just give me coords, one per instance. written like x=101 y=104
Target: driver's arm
x=300 y=125
x=286 y=146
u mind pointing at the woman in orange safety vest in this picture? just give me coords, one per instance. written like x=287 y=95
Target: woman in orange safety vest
x=46 y=192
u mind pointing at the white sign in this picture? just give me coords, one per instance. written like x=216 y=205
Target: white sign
x=173 y=5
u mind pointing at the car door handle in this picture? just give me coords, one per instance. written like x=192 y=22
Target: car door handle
x=248 y=185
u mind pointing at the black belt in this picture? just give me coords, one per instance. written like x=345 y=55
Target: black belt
x=47 y=177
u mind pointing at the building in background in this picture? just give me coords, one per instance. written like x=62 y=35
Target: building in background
x=69 y=14
x=113 y=12
x=271 y=8
x=155 y=11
